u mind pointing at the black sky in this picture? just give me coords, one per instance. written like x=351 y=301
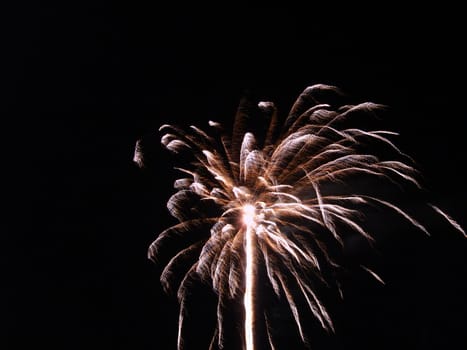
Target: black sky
x=83 y=82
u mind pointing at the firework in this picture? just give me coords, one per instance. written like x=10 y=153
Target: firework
x=275 y=199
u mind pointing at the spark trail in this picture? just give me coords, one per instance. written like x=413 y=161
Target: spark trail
x=249 y=221
x=280 y=195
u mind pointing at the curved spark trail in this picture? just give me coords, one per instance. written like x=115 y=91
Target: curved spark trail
x=275 y=199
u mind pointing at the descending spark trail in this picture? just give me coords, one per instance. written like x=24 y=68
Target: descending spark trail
x=249 y=219
x=280 y=197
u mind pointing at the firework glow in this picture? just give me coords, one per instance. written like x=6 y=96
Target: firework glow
x=271 y=198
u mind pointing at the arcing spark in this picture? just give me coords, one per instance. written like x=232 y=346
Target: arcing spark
x=275 y=199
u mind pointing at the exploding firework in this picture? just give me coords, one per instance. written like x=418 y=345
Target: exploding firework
x=275 y=199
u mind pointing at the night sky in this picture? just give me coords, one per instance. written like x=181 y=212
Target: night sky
x=83 y=82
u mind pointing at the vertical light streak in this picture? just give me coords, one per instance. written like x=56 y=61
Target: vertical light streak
x=249 y=220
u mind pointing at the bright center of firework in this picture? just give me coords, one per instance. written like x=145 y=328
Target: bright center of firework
x=249 y=213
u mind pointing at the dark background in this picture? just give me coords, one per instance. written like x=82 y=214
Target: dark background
x=82 y=83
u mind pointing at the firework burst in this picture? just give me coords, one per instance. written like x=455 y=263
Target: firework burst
x=275 y=198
